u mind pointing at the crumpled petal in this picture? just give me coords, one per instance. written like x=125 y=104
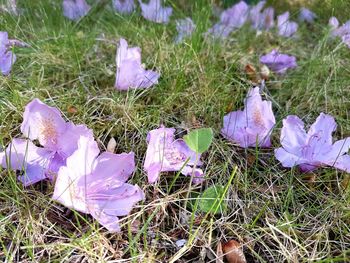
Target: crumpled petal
x=130 y=73
x=24 y=156
x=165 y=154
x=278 y=62
x=124 y=6
x=155 y=12
x=75 y=9
x=306 y=15
x=253 y=125
x=286 y=28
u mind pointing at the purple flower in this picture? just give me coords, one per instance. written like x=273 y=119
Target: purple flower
x=75 y=9
x=165 y=154
x=314 y=148
x=130 y=72
x=95 y=184
x=230 y=19
x=306 y=15
x=124 y=6
x=262 y=20
x=153 y=11
x=57 y=137
x=333 y=22
x=340 y=31
x=286 y=28
x=7 y=58
x=253 y=125
x=278 y=62
x=185 y=28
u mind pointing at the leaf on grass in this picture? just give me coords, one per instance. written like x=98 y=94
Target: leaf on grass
x=199 y=140
x=251 y=73
x=112 y=144
x=233 y=252
x=210 y=200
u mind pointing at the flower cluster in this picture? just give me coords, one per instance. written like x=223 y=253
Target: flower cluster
x=96 y=183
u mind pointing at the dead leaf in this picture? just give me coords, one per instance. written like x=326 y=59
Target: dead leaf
x=72 y=109
x=229 y=107
x=111 y=145
x=251 y=73
x=233 y=252
x=219 y=254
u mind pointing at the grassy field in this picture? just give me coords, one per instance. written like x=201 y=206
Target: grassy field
x=278 y=215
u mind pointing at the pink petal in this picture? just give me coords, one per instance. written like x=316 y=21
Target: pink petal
x=23 y=155
x=44 y=123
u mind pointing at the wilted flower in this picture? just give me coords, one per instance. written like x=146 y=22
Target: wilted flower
x=75 y=9
x=130 y=72
x=7 y=58
x=278 y=62
x=95 y=184
x=124 y=6
x=230 y=19
x=57 y=137
x=286 y=28
x=165 y=154
x=253 y=125
x=185 y=28
x=306 y=15
x=154 y=11
x=312 y=149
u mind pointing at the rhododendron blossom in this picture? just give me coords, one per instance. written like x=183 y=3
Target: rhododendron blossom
x=262 y=20
x=253 y=125
x=7 y=58
x=230 y=19
x=95 y=184
x=165 y=153
x=312 y=149
x=75 y=9
x=124 y=6
x=278 y=62
x=130 y=72
x=155 y=12
x=286 y=28
x=57 y=137
x=306 y=15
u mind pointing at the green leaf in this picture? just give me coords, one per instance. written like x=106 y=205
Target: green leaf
x=210 y=200
x=199 y=140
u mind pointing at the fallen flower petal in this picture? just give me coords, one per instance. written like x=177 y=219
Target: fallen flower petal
x=278 y=62
x=155 y=12
x=130 y=72
x=306 y=15
x=286 y=28
x=253 y=125
x=95 y=184
x=58 y=140
x=230 y=19
x=7 y=58
x=312 y=149
x=75 y=9
x=124 y=6
x=165 y=154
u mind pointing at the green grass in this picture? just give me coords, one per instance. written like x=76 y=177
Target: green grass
x=279 y=215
